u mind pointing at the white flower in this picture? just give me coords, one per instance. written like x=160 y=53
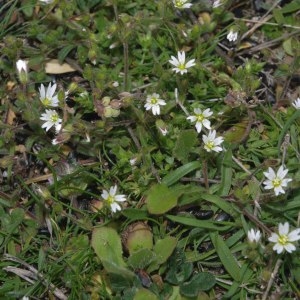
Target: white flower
x=276 y=181
x=133 y=161
x=21 y=66
x=216 y=3
x=111 y=198
x=253 y=236
x=232 y=35
x=153 y=102
x=201 y=118
x=46 y=1
x=182 y=3
x=296 y=103
x=22 y=69
x=52 y=118
x=283 y=240
x=163 y=130
x=47 y=95
x=180 y=64
x=211 y=142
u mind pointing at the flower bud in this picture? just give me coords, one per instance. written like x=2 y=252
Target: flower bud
x=22 y=69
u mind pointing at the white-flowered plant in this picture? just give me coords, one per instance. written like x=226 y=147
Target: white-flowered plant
x=201 y=118
x=232 y=35
x=153 y=102
x=22 y=69
x=211 y=142
x=51 y=118
x=112 y=199
x=296 y=103
x=21 y=66
x=182 y=3
x=180 y=64
x=47 y=1
x=253 y=235
x=284 y=240
x=47 y=96
x=216 y=3
x=276 y=181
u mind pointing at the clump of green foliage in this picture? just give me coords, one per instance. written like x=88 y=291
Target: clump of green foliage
x=147 y=181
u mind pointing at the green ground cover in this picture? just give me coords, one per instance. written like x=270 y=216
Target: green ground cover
x=149 y=149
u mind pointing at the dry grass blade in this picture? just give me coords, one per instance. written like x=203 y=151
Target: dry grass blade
x=32 y=273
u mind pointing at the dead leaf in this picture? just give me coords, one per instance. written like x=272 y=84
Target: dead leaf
x=54 y=67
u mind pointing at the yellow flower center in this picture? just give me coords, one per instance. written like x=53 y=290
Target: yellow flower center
x=210 y=145
x=110 y=199
x=276 y=182
x=181 y=67
x=283 y=240
x=200 y=118
x=54 y=118
x=46 y=101
x=179 y=3
x=153 y=100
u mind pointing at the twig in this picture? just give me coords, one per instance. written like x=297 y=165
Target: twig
x=269 y=43
x=271 y=280
x=264 y=19
x=268 y=23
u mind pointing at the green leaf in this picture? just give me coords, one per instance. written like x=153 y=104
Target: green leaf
x=63 y=53
x=203 y=281
x=184 y=144
x=140 y=259
x=288 y=47
x=135 y=214
x=278 y=16
x=291 y=7
x=143 y=294
x=107 y=245
x=179 y=273
x=176 y=175
x=226 y=172
x=161 y=199
x=218 y=201
x=226 y=257
x=205 y=224
x=163 y=250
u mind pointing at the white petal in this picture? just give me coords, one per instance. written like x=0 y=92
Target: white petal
x=104 y=194
x=181 y=57
x=115 y=206
x=281 y=173
x=113 y=190
x=273 y=238
x=289 y=247
x=190 y=63
x=279 y=190
x=206 y=123
x=192 y=118
x=270 y=174
x=294 y=235
x=217 y=149
x=279 y=248
x=198 y=127
x=120 y=198
x=283 y=229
